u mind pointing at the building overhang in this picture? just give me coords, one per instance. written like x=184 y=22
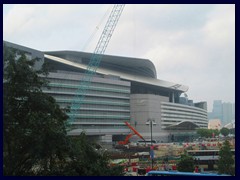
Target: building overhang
x=123 y=75
x=183 y=125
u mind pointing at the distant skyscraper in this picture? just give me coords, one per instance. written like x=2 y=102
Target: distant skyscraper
x=210 y=115
x=217 y=109
x=225 y=112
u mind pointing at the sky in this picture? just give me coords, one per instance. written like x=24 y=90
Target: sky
x=193 y=45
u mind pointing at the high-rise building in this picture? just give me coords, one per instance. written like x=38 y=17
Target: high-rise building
x=217 y=109
x=223 y=111
x=227 y=113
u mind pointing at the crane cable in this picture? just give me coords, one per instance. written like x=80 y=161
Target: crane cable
x=96 y=29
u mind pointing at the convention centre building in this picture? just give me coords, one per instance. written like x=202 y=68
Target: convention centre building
x=123 y=90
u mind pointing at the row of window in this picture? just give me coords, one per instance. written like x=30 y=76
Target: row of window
x=182 y=107
x=96 y=94
x=89 y=98
x=98 y=84
x=91 y=86
x=57 y=90
x=101 y=121
x=101 y=112
x=195 y=119
x=100 y=127
x=185 y=112
x=164 y=115
x=96 y=107
x=98 y=116
x=182 y=110
x=95 y=102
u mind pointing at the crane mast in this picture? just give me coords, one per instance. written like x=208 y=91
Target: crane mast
x=94 y=61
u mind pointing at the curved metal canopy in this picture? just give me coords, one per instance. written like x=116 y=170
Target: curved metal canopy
x=183 y=125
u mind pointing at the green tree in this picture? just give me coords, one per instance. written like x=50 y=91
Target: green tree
x=204 y=133
x=35 y=140
x=226 y=161
x=186 y=164
x=34 y=130
x=216 y=132
x=224 y=131
x=232 y=131
x=207 y=133
x=88 y=161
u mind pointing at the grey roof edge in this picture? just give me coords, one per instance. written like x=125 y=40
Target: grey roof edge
x=22 y=48
x=141 y=79
x=144 y=66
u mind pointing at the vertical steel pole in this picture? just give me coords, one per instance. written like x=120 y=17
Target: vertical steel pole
x=151 y=140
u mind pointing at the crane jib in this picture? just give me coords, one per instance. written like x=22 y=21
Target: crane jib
x=94 y=61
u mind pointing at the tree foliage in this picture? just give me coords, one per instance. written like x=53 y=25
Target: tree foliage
x=88 y=161
x=224 y=131
x=35 y=140
x=232 y=131
x=207 y=133
x=186 y=164
x=226 y=161
x=34 y=132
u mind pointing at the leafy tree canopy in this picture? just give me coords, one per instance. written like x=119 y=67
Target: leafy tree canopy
x=226 y=161
x=208 y=133
x=35 y=140
x=34 y=131
x=186 y=164
x=224 y=131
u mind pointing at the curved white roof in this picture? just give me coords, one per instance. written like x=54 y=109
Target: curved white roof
x=123 y=75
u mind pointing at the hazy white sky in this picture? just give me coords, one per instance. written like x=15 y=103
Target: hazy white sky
x=192 y=45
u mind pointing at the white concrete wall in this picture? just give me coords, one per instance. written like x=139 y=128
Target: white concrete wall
x=144 y=107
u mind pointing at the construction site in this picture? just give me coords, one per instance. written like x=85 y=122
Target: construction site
x=139 y=158
x=167 y=156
